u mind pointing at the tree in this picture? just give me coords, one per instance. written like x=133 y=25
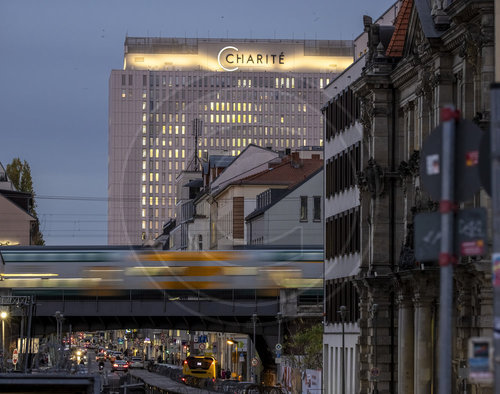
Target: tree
x=305 y=347
x=19 y=173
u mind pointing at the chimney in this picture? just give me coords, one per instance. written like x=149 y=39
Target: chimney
x=295 y=162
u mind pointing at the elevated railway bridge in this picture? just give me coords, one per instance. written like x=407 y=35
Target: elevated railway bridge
x=116 y=288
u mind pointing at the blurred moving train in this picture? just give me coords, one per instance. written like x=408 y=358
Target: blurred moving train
x=129 y=268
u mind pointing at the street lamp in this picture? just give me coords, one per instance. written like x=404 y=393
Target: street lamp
x=3 y=316
x=59 y=319
x=343 y=312
x=279 y=316
x=254 y=320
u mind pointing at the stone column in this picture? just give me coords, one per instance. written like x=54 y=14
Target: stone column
x=424 y=299
x=364 y=366
x=406 y=344
x=378 y=332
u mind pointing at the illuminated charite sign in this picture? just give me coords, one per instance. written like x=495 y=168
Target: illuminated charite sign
x=232 y=58
x=244 y=55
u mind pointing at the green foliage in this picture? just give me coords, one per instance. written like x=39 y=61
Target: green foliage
x=14 y=171
x=305 y=347
x=19 y=173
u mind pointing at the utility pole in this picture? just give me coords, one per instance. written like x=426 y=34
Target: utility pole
x=254 y=320
x=446 y=258
x=495 y=207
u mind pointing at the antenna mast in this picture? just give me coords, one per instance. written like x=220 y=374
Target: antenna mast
x=197 y=127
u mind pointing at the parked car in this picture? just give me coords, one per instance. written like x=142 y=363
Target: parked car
x=119 y=365
x=136 y=362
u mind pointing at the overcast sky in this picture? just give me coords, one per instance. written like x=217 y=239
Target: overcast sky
x=56 y=60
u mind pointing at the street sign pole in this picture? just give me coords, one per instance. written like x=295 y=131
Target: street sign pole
x=446 y=206
x=495 y=206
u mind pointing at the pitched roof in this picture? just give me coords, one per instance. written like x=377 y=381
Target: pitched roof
x=397 y=43
x=220 y=160
x=288 y=172
x=282 y=194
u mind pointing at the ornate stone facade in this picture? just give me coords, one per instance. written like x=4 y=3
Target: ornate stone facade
x=447 y=58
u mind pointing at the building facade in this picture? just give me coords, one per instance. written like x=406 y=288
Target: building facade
x=265 y=92
x=439 y=53
x=17 y=224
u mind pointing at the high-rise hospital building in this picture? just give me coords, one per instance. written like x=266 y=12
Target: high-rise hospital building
x=244 y=91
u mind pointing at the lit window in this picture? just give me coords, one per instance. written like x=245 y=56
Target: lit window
x=144 y=164
x=157 y=177
x=144 y=117
x=143 y=189
x=144 y=177
x=124 y=93
x=143 y=200
x=151 y=200
x=143 y=225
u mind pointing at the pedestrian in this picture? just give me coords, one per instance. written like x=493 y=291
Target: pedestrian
x=228 y=374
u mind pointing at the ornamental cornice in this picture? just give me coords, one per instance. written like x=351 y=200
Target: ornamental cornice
x=464 y=10
x=404 y=73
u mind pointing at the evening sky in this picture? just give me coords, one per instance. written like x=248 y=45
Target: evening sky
x=57 y=57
